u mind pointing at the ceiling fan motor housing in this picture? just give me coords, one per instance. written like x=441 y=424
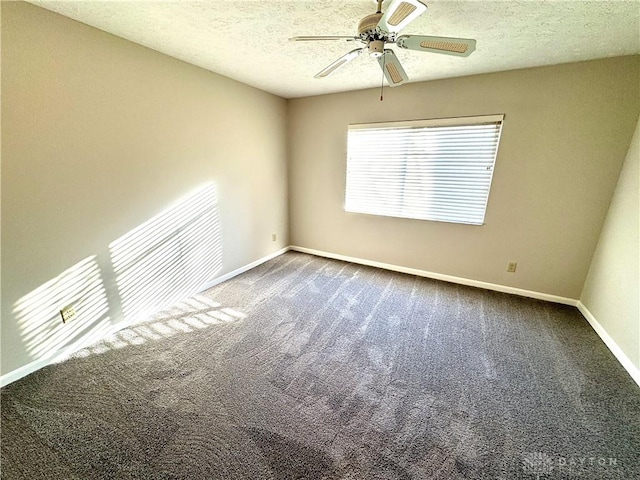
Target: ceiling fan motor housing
x=367 y=26
x=378 y=29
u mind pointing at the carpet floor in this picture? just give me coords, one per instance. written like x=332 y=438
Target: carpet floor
x=309 y=368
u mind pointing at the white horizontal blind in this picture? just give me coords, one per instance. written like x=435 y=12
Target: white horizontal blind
x=429 y=170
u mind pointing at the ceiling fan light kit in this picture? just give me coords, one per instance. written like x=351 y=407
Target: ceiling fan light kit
x=379 y=29
x=376 y=48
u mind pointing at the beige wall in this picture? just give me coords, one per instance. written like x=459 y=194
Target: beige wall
x=612 y=289
x=565 y=136
x=100 y=134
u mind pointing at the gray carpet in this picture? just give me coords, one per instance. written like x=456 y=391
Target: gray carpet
x=308 y=368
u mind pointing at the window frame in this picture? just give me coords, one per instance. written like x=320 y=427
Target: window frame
x=421 y=124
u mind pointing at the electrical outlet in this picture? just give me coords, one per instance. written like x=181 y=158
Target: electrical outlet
x=511 y=267
x=68 y=313
x=274 y=237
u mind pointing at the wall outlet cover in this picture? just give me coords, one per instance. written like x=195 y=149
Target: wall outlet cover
x=68 y=313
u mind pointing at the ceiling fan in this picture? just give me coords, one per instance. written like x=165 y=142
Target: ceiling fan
x=378 y=29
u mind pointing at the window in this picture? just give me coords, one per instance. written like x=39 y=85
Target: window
x=428 y=169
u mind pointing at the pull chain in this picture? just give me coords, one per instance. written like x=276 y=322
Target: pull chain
x=384 y=62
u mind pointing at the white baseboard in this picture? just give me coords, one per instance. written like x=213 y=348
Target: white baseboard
x=626 y=363
x=440 y=276
x=25 y=370
x=243 y=269
x=54 y=357
x=611 y=344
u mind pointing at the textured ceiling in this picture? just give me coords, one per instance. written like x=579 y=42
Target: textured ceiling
x=247 y=40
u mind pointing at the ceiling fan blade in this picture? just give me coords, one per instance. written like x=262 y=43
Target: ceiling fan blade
x=392 y=69
x=311 y=38
x=399 y=14
x=460 y=47
x=342 y=61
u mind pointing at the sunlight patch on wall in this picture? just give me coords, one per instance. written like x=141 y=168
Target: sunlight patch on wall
x=168 y=257
x=38 y=312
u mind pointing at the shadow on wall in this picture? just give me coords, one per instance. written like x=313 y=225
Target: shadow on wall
x=158 y=263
